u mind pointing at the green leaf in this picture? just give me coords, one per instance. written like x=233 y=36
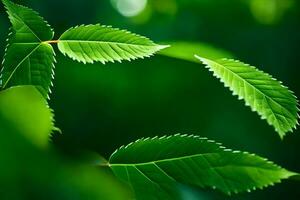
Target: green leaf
x=154 y=166
x=28 y=25
x=265 y=95
x=28 y=60
x=16 y=105
x=89 y=43
x=186 y=50
x=28 y=64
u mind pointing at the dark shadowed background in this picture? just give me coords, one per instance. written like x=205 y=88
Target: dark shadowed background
x=101 y=107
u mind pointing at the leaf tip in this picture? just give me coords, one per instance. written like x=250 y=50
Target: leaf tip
x=165 y=46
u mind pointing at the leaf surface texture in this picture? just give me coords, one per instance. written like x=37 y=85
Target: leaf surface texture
x=264 y=94
x=28 y=59
x=154 y=166
x=90 y=43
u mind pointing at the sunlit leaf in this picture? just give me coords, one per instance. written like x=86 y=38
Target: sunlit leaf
x=265 y=95
x=89 y=43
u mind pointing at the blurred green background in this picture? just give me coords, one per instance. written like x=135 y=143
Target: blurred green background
x=101 y=107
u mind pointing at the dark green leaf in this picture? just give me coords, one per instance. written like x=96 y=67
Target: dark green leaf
x=28 y=59
x=153 y=166
x=29 y=172
x=28 y=25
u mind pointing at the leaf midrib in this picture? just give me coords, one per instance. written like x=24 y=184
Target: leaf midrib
x=105 y=42
x=20 y=19
x=179 y=158
x=20 y=63
x=22 y=43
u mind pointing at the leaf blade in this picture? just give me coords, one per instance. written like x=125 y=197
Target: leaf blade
x=17 y=105
x=29 y=64
x=28 y=24
x=28 y=60
x=92 y=43
x=190 y=160
x=264 y=94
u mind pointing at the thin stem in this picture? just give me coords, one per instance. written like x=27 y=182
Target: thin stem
x=52 y=41
x=103 y=165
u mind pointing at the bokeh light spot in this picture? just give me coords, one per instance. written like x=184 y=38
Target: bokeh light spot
x=129 y=8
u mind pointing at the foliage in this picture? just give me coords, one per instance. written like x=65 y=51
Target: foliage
x=29 y=58
x=152 y=167
x=28 y=170
x=17 y=105
x=28 y=61
x=261 y=92
x=264 y=94
x=105 y=44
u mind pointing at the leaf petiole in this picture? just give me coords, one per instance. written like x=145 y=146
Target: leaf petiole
x=52 y=41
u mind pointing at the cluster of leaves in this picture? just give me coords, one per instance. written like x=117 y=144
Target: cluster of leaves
x=152 y=167
x=29 y=57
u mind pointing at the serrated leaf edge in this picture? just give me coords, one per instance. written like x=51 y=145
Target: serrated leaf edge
x=224 y=149
x=158 y=47
x=5 y=53
x=281 y=133
x=13 y=31
x=35 y=12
